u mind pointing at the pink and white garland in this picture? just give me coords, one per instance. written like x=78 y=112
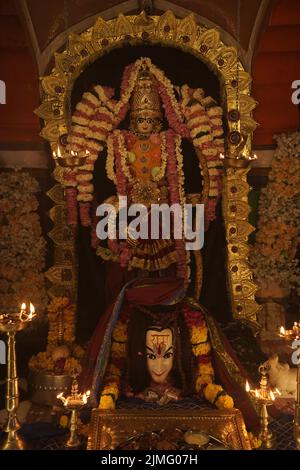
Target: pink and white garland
x=204 y=120
x=196 y=117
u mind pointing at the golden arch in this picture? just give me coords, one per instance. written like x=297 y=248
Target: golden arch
x=237 y=103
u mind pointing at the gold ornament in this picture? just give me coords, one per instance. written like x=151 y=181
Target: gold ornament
x=145 y=99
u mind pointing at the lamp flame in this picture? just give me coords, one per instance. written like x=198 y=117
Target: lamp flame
x=247 y=387
x=32 y=311
x=272 y=395
x=222 y=156
x=23 y=306
x=86 y=396
x=282 y=330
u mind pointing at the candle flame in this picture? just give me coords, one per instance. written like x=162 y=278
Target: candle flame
x=23 y=306
x=247 y=386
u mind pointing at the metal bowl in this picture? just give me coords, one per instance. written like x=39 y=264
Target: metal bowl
x=44 y=388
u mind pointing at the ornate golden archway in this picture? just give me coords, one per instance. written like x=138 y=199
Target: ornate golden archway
x=205 y=44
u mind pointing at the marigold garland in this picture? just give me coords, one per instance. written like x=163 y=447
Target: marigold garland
x=61 y=335
x=201 y=348
x=114 y=372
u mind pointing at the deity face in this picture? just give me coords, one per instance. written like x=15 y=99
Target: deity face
x=145 y=125
x=160 y=351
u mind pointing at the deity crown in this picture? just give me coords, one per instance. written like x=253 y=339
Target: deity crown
x=145 y=101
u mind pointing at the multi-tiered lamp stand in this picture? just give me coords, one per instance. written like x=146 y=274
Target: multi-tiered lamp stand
x=264 y=396
x=74 y=402
x=293 y=336
x=10 y=323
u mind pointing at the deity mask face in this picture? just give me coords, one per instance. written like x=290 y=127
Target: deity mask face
x=160 y=351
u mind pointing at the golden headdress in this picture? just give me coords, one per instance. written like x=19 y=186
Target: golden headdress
x=145 y=100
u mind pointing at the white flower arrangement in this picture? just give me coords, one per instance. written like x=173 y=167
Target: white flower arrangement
x=274 y=255
x=22 y=247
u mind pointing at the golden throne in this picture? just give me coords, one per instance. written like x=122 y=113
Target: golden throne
x=56 y=111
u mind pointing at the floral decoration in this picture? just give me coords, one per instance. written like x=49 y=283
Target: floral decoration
x=204 y=380
x=201 y=347
x=195 y=116
x=273 y=256
x=22 y=245
x=62 y=355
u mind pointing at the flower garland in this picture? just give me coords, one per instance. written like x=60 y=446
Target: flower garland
x=176 y=191
x=274 y=255
x=172 y=164
x=98 y=114
x=22 y=246
x=204 y=121
x=91 y=124
x=114 y=372
x=62 y=354
x=201 y=348
x=202 y=352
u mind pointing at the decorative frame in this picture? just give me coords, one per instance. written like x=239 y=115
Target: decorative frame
x=206 y=45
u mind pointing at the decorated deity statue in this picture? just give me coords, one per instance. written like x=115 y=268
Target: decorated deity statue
x=157 y=144
x=158 y=346
x=146 y=164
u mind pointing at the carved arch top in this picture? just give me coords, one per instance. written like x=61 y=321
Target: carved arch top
x=167 y=30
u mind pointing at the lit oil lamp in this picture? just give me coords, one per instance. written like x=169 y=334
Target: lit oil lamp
x=290 y=334
x=293 y=337
x=74 y=402
x=70 y=159
x=12 y=321
x=264 y=396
